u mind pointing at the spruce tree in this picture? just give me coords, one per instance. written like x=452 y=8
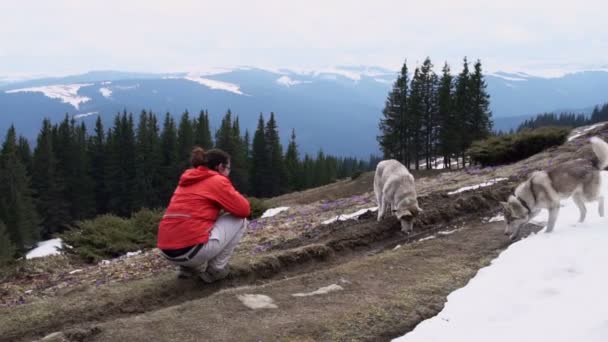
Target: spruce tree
x=276 y=167
x=259 y=172
x=202 y=131
x=462 y=109
x=25 y=153
x=120 y=166
x=429 y=112
x=49 y=184
x=147 y=163
x=394 y=125
x=292 y=164
x=169 y=171
x=17 y=209
x=480 y=123
x=415 y=119
x=448 y=125
x=97 y=157
x=185 y=141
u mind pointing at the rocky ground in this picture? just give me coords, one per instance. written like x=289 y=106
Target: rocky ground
x=372 y=282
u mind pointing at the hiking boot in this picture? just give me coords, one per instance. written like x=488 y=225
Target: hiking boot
x=184 y=272
x=212 y=275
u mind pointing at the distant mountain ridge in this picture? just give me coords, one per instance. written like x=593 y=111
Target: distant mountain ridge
x=336 y=109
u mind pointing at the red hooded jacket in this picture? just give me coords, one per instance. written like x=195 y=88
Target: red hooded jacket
x=195 y=206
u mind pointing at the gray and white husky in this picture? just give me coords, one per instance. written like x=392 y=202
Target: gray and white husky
x=579 y=178
x=394 y=186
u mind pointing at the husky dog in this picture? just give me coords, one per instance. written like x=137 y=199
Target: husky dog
x=394 y=186
x=579 y=178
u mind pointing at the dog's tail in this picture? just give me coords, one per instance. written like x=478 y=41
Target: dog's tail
x=600 y=147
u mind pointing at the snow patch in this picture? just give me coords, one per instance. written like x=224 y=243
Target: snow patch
x=67 y=93
x=273 y=211
x=351 y=216
x=257 y=301
x=546 y=287
x=105 y=92
x=582 y=130
x=288 y=82
x=427 y=238
x=497 y=218
x=83 y=115
x=474 y=187
x=212 y=84
x=320 y=291
x=45 y=248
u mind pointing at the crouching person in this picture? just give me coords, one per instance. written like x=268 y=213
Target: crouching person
x=205 y=220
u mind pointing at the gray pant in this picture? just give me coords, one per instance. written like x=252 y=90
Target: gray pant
x=223 y=239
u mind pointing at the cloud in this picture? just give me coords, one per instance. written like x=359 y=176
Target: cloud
x=159 y=35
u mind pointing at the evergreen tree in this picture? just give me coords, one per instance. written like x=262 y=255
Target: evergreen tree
x=202 y=134
x=415 y=118
x=429 y=116
x=17 y=209
x=120 y=166
x=49 y=184
x=83 y=198
x=394 y=125
x=448 y=125
x=185 y=141
x=292 y=164
x=259 y=172
x=147 y=163
x=462 y=108
x=97 y=157
x=169 y=171
x=480 y=123
x=276 y=167
x=25 y=153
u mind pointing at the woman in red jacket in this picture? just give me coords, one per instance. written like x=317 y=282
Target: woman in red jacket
x=192 y=233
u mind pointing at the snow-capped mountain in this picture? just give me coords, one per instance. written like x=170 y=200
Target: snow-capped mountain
x=336 y=109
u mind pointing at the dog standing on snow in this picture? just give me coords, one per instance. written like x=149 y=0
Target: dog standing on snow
x=579 y=178
x=394 y=186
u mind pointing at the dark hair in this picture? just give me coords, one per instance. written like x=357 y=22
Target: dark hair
x=197 y=156
x=209 y=159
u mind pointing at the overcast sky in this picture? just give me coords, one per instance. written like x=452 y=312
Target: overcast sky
x=545 y=37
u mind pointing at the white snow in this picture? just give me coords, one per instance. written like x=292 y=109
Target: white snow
x=273 y=211
x=213 y=84
x=45 y=248
x=67 y=93
x=351 y=216
x=106 y=92
x=257 y=301
x=473 y=187
x=497 y=218
x=320 y=291
x=582 y=130
x=83 y=115
x=288 y=81
x=547 y=287
x=427 y=238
